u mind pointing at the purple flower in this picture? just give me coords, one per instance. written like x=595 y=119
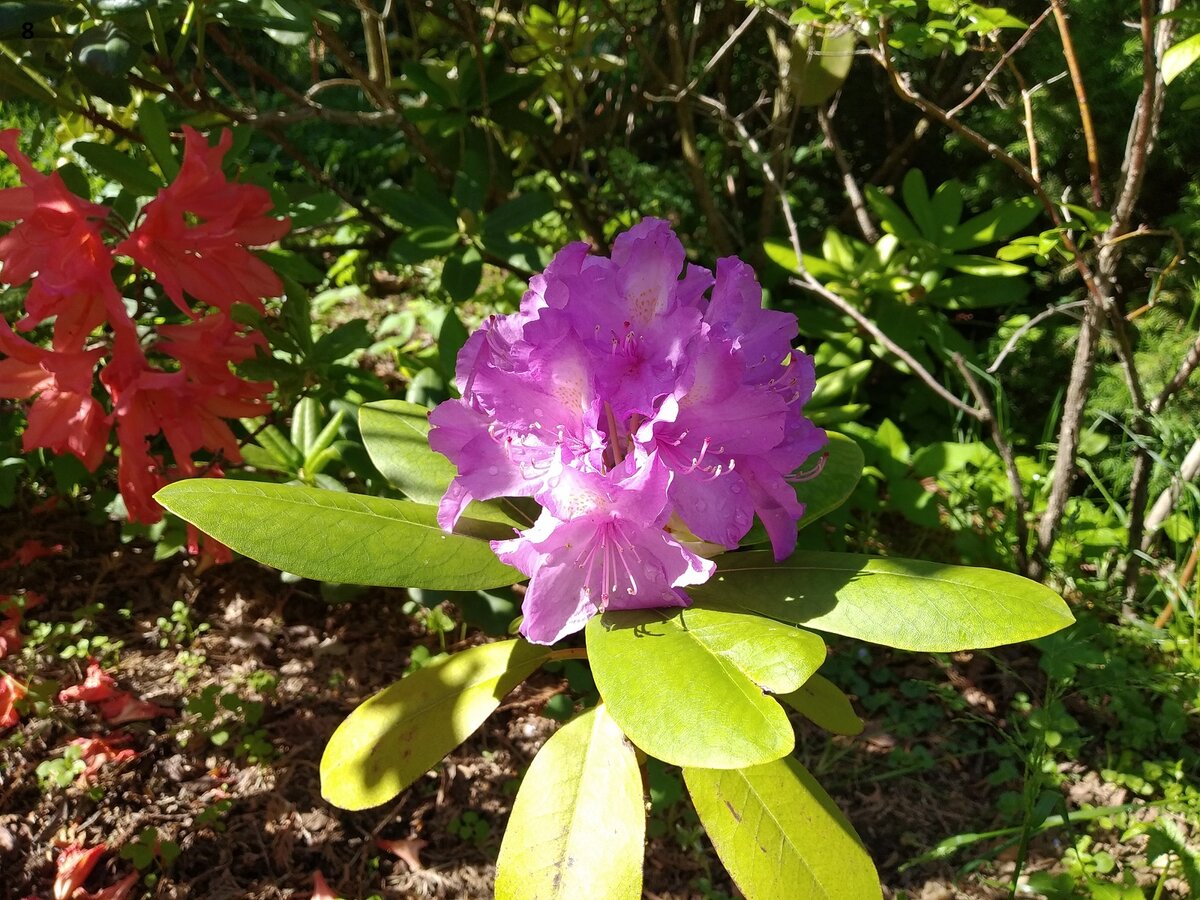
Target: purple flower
x=634 y=410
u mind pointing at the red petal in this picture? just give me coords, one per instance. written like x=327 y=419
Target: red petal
x=321 y=889
x=75 y=863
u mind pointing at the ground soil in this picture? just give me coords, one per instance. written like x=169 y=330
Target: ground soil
x=326 y=658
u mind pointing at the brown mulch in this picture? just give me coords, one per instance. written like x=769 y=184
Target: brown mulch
x=324 y=659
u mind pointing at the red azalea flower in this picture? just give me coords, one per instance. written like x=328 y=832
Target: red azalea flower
x=58 y=245
x=11 y=691
x=26 y=554
x=64 y=417
x=193 y=236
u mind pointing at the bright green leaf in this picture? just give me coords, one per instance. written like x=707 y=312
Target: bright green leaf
x=997 y=224
x=397 y=735
x=903 y=603
x=1180 y=57
x=396 y=435
x=687 y=686
x=780 y=835
x=345 y=538
x=579 y=820
x=821 y=702
x=825 y=492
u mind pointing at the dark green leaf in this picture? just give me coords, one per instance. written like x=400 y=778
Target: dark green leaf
x=461 y=274
x=153 y=126
x=131 y=174
x=509 y=218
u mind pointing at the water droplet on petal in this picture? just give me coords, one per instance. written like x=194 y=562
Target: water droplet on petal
x=493 y=470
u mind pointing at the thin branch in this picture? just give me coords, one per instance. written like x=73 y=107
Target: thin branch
x=1085 y=113
x=718 y=233
x=1178 y=380
x=1027 y=119
x=853 y=192
x=995 y=70
x=805 y=279
x=1004 y=448
x=1020 y=332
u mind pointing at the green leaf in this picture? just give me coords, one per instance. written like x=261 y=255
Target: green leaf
x=106 y=50
x=891 y=216
x=839 y=383
x=509 y=218
x=780 y=835
x=451 y=337
x=997 y=224
x=461 y=274
x=985 y=266
x=947 y=206
x=579 y=820
x=821 y=702
x=397 y=735
x=116 y=166
x=396 y=435
x=816 y=73
x=902 y=603
x=687 y=686
x=916 y=199
x=153 y=126
x=825 y=492
x=345 y=538
x=1180 y=57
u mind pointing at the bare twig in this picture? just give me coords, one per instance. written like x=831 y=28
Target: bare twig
x=1004 y=448
x=1027 y=119
x=995 y=70
x=687 y=135
x=1020 y=332
x=1085 y=114
x=805 y=279
x=1178 y=380
x=853 y=192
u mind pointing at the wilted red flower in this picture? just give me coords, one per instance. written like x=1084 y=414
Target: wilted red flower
x=122 y=890
x=97 y=686
x=116 y=706
x=11 y=691
x=74 y=864
x=56 y=241
x=27 y=553
x=321 y=888
x=127 y=708
x=10 y=626
x=64 y=417
x=98 y=752
x=193 y=236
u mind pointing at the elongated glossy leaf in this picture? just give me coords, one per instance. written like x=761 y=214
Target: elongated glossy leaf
x=821 y=702
x=396 y=435
x=687 y=686
x=347 y=538
x=902 y=603
x=404 y=730
x=780 y=835
x=824 y=492
x=579 y=821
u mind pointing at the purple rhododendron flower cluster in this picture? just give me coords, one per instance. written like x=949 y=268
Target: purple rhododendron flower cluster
x=640 y=414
